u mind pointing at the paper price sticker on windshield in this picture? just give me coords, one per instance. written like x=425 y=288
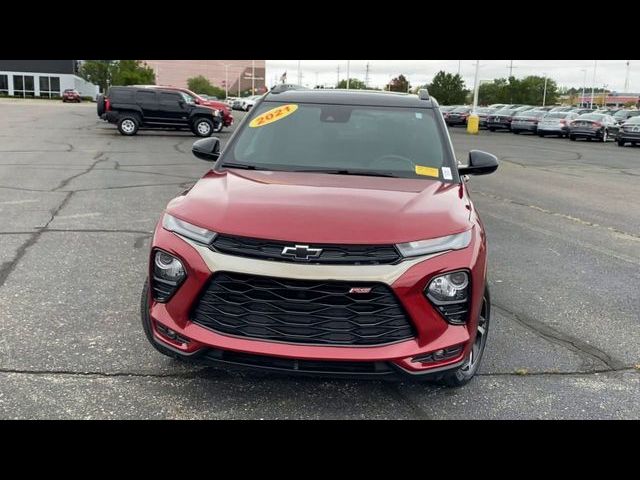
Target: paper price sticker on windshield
x=427 y=171
x=273 y=115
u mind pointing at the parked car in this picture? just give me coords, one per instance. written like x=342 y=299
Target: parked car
x=500 y=120
x=483 y=113
x=499 y=106
x=561 y=109
x=247 y=103
x=527 y=121
x=622 y=116
x=556 y=123
x=132 y=108
x=240 y=276
x=582 y=111
x=544 y=109
x=629 y=132
x=71 y=95
x=458 y=116
x=227 y=117
x=593 y=125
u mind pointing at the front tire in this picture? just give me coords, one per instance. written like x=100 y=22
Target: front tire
x=463 y=374
x=203 y=127
x=146 y=323
x=621 y=143
x=491 y=129
x=128 y=125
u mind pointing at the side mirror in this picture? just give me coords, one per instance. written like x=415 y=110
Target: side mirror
x=480 y=163
x=207 y=149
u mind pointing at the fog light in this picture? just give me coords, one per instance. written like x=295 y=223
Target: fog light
x=449 y=293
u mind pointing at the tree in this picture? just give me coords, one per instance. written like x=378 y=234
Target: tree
x=448 y=89
x=133 y=72
x=97 y=72
x=399 y=84
x=203 y=86
x=354 y=84
x=527 y=91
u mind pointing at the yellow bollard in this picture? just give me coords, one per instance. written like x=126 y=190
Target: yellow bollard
x=473 y=123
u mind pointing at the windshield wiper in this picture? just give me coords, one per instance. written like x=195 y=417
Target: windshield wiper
x=240 y=165
x=367 y=173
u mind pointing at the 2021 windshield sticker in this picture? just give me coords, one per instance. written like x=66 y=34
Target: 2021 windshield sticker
x=273 y=115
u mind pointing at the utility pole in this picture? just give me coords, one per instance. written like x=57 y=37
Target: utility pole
x=510 y=68
x=366 y=76
x=626 y=80
x=253 y=77
x=459 y=65
x=348 y=64
x=544 y=94
x=593 y=84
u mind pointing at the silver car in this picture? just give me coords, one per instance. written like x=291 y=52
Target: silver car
x=556 y=123
x=527 y=121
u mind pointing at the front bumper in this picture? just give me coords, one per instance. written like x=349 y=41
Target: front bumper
x=586 y=133
x=407 y=281
x=524 y=127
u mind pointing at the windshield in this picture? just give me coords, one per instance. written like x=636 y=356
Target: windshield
x=460 y=110
x=505 y=111
x=556 y=115
x=591 y=116
x=634 y=120
x=400 y=142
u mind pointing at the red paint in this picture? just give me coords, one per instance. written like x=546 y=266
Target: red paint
x=322 y=208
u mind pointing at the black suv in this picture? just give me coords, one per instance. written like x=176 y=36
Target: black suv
x=132 y=108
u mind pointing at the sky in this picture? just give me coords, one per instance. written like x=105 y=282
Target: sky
x=568 y=73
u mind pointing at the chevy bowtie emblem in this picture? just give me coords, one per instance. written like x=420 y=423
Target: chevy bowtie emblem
x=301 y=252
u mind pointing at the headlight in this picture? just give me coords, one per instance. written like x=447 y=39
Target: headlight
x=168 y=274
x=451 y=287
x=433 y=245
x=449 y=293
x=188 y=230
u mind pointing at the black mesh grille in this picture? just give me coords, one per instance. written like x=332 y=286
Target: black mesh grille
x=331 y=254
x=302 y=311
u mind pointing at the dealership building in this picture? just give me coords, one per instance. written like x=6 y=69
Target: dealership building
x=237 y=75
x=42 y=78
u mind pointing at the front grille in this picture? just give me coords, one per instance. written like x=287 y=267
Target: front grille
x=302 y=311
x=297 y=365
x=331 y=253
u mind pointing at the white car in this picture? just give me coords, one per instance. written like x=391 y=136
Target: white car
x=248 y=102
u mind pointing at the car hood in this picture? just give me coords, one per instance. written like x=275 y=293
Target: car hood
x=324 y=208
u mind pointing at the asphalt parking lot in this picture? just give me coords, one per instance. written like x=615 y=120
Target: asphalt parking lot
x=78 y=203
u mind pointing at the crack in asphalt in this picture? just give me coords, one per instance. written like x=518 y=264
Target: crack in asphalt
x=555 y=214
x=209 y=372
x=559 y=338
x=66 y=181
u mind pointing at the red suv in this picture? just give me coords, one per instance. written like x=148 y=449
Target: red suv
x=335 y=236
x=71 y=95
x=227 y=117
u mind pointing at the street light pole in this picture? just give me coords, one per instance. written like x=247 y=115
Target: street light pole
x=593 y=84
x=253 y=77
x=584 y=83
x=348 y=65
x=226 y=80
x=544 y=95
x=476 y=88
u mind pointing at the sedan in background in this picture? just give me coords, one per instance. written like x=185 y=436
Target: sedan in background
x=483 y=113
x=593 y=125
x=527 y=121
x=629 y=132
x=561 y=109
x=582 y=111
x=500 y=120
x=622 y=116
x=556 y=123
x=458 y=116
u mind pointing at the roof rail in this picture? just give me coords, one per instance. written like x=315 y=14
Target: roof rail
x=423 y=94
x=286 y=86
